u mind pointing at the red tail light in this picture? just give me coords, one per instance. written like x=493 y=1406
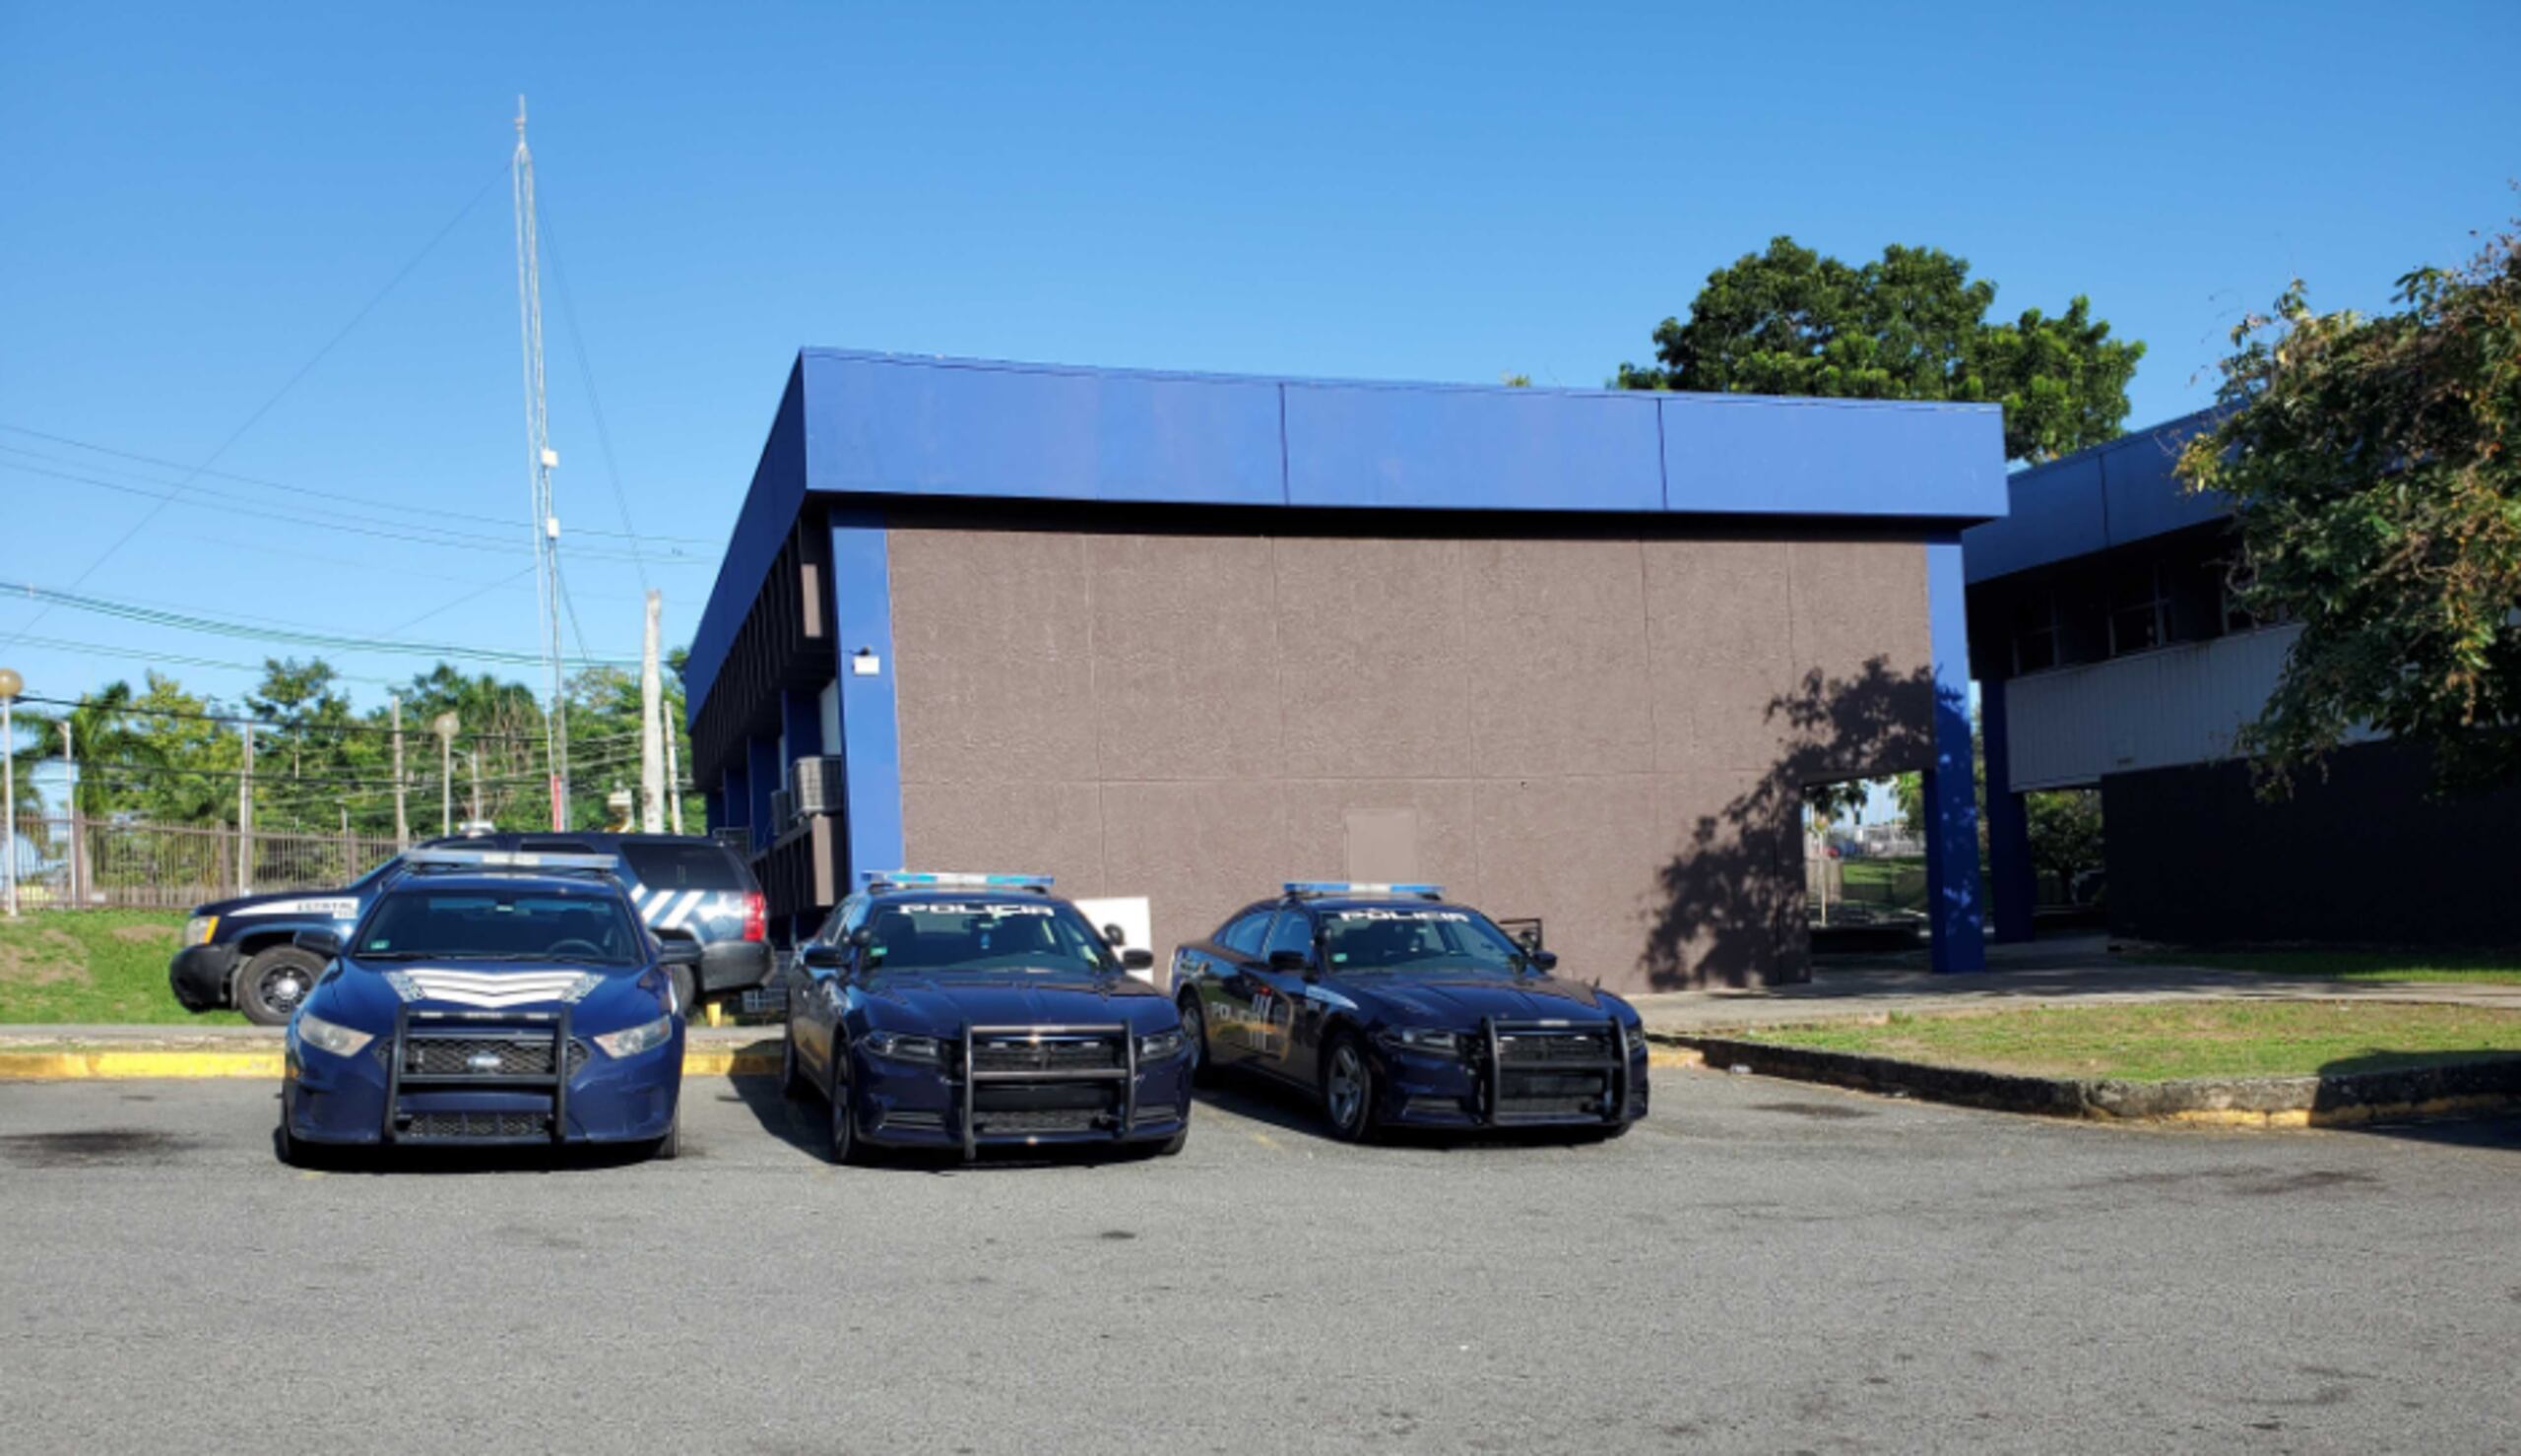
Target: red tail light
x=756 y=920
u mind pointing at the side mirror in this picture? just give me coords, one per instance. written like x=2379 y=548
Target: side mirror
x=824 y=957
x=1290 y=960
x=862 y=938
x=677 y=950
x=1115 y=937
x=1544 y=960
x=1138 y=959
x=326 y=943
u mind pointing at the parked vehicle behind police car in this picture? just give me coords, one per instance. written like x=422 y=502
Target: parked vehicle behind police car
x=968 y=1011
x=1397 y=1008
x=486 y=998
x=244 y=952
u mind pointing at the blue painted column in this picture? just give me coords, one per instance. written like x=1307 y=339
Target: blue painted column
x=714 y=808
x=1952 y=901
x=734 y=798
x=862 y=590
x=761 y=776
x=803 y=719
x=2015 y=888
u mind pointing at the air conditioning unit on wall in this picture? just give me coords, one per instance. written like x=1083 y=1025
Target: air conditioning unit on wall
x=816 y=784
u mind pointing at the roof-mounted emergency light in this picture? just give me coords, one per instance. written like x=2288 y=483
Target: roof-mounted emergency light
x=504 y=859
x=955 y=880
x=1358 y=887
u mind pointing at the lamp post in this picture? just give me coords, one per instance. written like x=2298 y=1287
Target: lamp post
x=445 y=726
x=11 y=684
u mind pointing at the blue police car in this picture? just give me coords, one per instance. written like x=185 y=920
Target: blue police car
x=488 y=997
x=971 y=1011
x=1398 y=1009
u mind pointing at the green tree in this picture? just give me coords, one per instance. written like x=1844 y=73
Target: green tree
x=1910 y=325
x=2065 y=834
x=2374 y=469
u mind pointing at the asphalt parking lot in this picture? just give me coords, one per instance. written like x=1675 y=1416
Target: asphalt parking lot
x=1763 y=1266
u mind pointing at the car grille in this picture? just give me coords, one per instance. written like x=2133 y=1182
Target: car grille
x=1047 y=1054
x=1524 y=1047
x=478 y=1125
x=485 y=1056
x=1040 y=1119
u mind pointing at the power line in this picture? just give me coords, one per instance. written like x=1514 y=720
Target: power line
x=267 y=405
x=281 y=726
x=339 y=642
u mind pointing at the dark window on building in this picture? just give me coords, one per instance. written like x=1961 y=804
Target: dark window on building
x=2035 y=633
x=2136 y=609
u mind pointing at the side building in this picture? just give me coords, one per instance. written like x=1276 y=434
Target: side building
x=1573 y=654
x=2112 y=656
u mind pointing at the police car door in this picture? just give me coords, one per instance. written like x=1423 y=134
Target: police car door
x=822 y=991
x=1270 y=996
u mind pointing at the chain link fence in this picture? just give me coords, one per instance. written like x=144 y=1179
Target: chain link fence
x=79 y=862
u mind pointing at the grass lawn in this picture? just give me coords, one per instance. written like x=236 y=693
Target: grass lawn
x=93 y=966
x=2500 y=967
x=2197 y=1038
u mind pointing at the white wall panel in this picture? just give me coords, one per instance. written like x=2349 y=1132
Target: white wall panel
x=2178 y=705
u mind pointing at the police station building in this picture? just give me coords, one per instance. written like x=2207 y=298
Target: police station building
x=1575 y=654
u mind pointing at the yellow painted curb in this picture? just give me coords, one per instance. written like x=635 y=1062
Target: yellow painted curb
x=107 y=1063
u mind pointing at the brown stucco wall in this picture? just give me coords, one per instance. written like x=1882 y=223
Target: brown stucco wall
x=1609 y=733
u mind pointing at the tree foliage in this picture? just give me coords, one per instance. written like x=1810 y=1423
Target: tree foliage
x=1910 y=325
x=2371 y=466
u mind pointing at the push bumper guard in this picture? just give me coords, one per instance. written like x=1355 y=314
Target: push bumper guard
x=1497 y=1110
x=524 y=1030
x=974 y=1079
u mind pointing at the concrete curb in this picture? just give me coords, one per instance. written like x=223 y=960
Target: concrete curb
x=2343 y=1100
x=143 y=1063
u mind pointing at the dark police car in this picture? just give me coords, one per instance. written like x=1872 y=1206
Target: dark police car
x=242 y=952
x=1397 y=1008
x=488 y=997
x=967 y=1011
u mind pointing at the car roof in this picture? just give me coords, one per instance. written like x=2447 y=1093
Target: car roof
x=555 y=883
x=961 y=894
x=593 y=839
x=1369 y=902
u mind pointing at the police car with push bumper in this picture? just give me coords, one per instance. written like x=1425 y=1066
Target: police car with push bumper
x=488 y=997
x=1396 y=1007
x=971 y=1011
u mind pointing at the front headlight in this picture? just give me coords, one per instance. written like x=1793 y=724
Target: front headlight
x=638 y=1039
x=1637 y=1045
x=199 y=929
x=1429 y=1040
x=314 y=1031
x=903 y=1048
x=1158 y=1045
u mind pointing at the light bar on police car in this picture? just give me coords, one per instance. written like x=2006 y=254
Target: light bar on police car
x=951 y=878
x=1358 y=887
x=504 y=859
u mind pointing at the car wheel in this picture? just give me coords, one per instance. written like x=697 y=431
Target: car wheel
x=792 y=1077
x=1172 y=1147
x=840 y=1138
x=1349 y=1089
x=669 y=1147
x=687 y=993
x=1195 y=1031
x=274 y=982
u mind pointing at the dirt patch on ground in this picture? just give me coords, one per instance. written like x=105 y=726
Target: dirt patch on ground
x=146 y=934
x=47 y=958
x=98 y=1148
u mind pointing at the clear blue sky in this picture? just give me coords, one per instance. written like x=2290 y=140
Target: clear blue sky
x=194 y=199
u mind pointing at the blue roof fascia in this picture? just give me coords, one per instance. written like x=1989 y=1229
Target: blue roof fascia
x=2106 y=495
x=872 y=424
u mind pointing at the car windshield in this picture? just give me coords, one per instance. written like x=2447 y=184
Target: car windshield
x=1437 y=940
x=498 y=925
x=1038 y=937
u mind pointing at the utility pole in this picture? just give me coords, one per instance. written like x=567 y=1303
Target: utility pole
x=245 y=819
x=674 y=778
x=652 y=707
x=540 y=459
x=78 y=832
x=445 y=726
x=402 y=819
x=11 y=684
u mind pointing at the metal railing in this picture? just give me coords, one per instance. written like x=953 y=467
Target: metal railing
x=80 y=862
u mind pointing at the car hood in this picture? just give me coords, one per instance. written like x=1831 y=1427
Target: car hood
x=935 y=1005
x=1460 y=1004
x=365 y=991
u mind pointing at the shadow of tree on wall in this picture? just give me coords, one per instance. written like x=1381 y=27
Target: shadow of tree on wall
x=1730 y=904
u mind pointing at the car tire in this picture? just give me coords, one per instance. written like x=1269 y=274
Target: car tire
x=1194 y=1030
x=840 y=1130
x=1172 y=1147
x=669 y=1147
x=1348 y=1089
x=792 y=1077
x=295 y=1151
x=274 y=980
x=687 y=993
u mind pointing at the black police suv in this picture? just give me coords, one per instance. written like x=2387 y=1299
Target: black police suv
x=244 y=951
x=1398 y=1009
x=971 y=1011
